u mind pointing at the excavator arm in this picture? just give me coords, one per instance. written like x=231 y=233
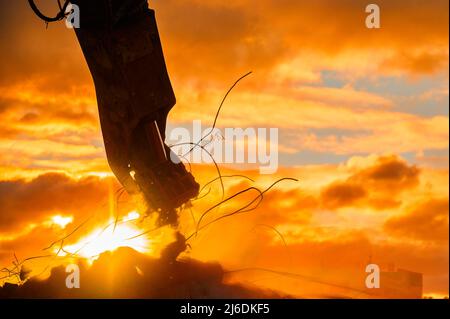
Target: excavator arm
x=121 y=45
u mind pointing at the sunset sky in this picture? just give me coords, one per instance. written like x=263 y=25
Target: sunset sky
x=363 y=117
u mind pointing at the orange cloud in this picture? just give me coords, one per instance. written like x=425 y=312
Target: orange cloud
x=426 y=221
x=327 y=225
x=25 y=203
x=292 y=230
x=341 y=195
x=376 y=186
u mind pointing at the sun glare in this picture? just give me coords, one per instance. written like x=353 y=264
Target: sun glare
x=62 y=221
x=109 y=238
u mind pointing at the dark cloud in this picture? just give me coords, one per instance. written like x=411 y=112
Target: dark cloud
x=342 y=194
x=389 y=171
x=377 y=186
x=426 y=221
x=25 y=202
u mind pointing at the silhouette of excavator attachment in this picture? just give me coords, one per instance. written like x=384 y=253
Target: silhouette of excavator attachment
x=121 y=45
x=165 y=184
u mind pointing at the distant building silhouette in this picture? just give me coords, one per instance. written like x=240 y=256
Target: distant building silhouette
x=400 y=284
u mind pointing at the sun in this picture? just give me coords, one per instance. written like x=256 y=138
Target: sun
x=61 y=221
x=109 y=238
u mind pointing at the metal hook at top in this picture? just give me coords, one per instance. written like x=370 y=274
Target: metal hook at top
x=61 y=14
